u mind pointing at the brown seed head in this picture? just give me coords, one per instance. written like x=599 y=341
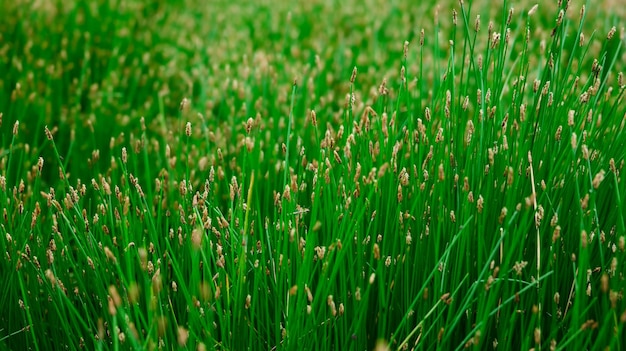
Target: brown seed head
x=109 y=254
x=559 y=19
x=611 y=33
x=372 y=278
x=581 y=39
x=183 y=336
x=382 y=89
x=40 y=164
x=196 y=238
x=597 y=180
x=582 y=12
x=184 y=105
x=537 y=336
x=249 y=124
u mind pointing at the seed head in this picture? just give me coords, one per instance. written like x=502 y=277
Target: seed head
x=465 y=103
x=537 y=335
x=604 y=283
x=582 y=12
x=557 y=135
x=546 y=88
x=495 y=40
x=570 y=118
x=331 y=304
x=313 y=118
x=188 y=129
x=469 y=131
x=597 y=180
x=111 y=305
x=115 y=296
x=533 y=9
x=611 y=33
x=439 y=136
x=382 y=89
x=559 y=19
x=109 y=254
x=320 y=251
x=249 y=124
x=581 y=39
x=183 y=336
x=286 y=193
x=550 y=99
x=196 y=238
x=612 y=167
x=184 y=105
x=337 y=156
x=503 y=214
x=157 y=281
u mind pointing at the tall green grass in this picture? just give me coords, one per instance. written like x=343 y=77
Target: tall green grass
x=181 y=174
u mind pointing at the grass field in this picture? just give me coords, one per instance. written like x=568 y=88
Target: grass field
x=319 y=175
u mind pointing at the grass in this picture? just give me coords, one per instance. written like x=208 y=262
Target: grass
x=316 y=176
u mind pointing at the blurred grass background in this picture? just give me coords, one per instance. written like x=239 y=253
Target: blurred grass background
x=101 y=65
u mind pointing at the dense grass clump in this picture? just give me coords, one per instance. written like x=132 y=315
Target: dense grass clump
x=321 y=176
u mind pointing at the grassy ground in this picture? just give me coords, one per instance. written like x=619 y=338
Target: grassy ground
x=317 y=176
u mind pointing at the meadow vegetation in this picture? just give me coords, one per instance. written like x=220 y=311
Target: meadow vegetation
x=321 y=175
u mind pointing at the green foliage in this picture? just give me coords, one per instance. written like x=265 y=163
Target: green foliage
x=182 y=174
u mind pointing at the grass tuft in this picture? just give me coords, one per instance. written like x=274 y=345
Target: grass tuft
x=275 y=176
